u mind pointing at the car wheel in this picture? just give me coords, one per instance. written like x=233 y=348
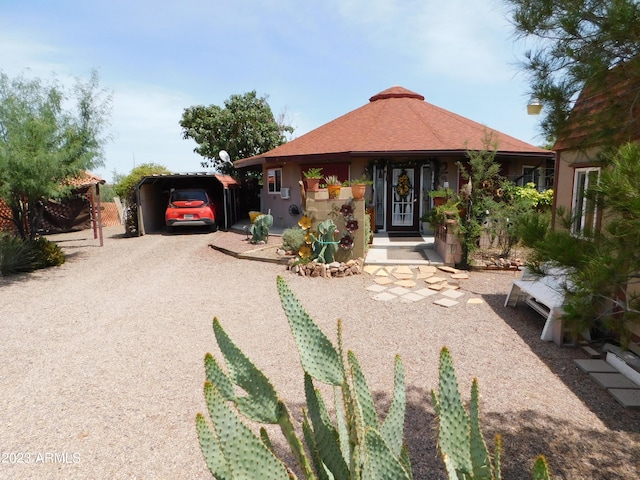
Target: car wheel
x=213 y=228
x=169 y=229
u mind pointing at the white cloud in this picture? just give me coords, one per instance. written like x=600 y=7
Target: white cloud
x=457 y=39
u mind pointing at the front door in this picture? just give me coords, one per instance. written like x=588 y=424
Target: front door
x=402 y=206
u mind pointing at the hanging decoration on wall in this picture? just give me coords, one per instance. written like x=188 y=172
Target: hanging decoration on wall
x=294 y=211
x=404 y=185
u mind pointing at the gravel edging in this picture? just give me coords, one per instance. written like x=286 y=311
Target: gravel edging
x=102 y=362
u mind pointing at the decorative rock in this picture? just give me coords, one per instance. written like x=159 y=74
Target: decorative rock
x=402 y=276
x=447 y=269
x=427 y=269
x=462 y=276
x=433 y=280
x=403 y=269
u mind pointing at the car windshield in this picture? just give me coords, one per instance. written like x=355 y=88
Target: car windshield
x=189 y=195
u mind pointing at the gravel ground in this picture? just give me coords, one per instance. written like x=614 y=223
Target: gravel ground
x=101 y=366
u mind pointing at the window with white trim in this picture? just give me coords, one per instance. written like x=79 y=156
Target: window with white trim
x=274 y=180
x=584 y=209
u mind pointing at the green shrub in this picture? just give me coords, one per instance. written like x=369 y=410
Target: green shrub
x=16 y=256
x=46 y=253
x=293 y=239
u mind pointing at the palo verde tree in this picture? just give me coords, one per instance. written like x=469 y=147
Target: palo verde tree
x=43 y=142
x=244 y=127
x=577 y=44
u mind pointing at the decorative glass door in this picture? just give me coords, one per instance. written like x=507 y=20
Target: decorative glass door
x=403 y=198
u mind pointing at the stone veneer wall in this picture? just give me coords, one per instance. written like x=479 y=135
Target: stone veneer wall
x=447 y=243
x=319 y=208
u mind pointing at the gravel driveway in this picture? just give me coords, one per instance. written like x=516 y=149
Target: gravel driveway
x=101 y=367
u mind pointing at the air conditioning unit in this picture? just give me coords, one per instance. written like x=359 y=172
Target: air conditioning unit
x=285 y=193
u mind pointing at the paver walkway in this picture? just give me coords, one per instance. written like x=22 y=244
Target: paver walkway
x=407 y=283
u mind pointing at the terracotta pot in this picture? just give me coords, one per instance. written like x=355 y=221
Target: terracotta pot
x=358 y=190
x=313 y=184
x=439 y=201
x=334 y=190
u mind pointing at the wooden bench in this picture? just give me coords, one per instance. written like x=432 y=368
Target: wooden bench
x=545 y=294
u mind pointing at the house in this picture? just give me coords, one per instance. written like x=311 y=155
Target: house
x=395 y=135
x=604 y=115
x=81 y=209
x=601 y=117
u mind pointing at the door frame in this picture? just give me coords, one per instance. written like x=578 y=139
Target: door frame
x=416 y=200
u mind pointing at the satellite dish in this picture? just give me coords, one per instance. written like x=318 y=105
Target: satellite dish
x=224 y=156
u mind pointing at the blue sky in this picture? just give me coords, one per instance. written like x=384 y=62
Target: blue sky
x=314 y=60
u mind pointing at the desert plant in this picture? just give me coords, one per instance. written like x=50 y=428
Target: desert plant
x=260 y=228
x=315 y=172
x=460 y=439
x=16 y=255
x=293 y=239
x=332 y=180
x=324 y=247
x=356 y=445
x=46 y=253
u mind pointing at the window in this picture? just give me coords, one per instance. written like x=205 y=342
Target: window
x=274 y=180
x=533 y=175
x=584 y=209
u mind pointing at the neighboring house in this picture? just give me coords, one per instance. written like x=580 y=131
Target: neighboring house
x=601 y=117
x=80 y=210
x=397 y=133
x=589 y=129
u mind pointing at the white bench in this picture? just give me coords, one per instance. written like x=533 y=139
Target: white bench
x=545 y=294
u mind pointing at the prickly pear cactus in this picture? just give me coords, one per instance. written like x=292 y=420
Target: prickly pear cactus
x=325 y=246
x=260 y=228
x=356 y=445
x=352 y=443
x=460 y=439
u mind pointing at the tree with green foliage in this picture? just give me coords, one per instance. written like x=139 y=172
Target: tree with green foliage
x=126 y=190
x=589 y=51
x=577 y=44
x=43 y=142
x=244 y=127
x=603 y=268
x=482 y=172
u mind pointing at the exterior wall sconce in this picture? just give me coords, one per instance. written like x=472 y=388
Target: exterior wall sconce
x=534 y=107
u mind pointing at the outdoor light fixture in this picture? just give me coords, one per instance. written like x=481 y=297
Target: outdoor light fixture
x=534 y=107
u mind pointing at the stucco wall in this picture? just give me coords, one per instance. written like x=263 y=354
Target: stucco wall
x=291 y=175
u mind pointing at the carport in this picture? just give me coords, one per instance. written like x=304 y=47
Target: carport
x=152 y=194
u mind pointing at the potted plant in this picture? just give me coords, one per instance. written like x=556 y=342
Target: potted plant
x=440 y=196
x=359 y=187
x=313 y=177
x=333 y=185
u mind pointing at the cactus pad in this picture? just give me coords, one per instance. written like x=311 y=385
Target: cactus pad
x=318 y=356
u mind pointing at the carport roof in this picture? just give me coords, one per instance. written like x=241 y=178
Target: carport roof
x=227 y=181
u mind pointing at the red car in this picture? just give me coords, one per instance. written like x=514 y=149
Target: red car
x=190 y=207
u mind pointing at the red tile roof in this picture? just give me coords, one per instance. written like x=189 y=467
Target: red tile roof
x=395 y=120
x=85 y=179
